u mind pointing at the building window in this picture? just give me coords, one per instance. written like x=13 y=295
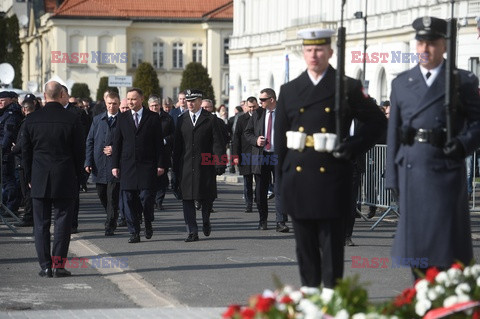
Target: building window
x=137 y=53
x=158 y=55
x=178 y=55
x=197 y=52
x=176 y=90
x=226 y=45
x=226 y=84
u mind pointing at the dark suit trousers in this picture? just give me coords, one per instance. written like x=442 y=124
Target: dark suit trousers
x=319 y=246
x=350 y=222
x=162 y=184
x=42 y=215
x=135 y=203
x=189 y=214
x=76 y=207
x=248 y=189
x=261 y=190
x=108 y=194
x=28 y=216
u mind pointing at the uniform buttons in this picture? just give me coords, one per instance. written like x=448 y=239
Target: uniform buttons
x=327 y=110
x=301 y=129
x=409 y=165
x=299 y=169
x=322 y=169
x=302 y=110
x=323 y=130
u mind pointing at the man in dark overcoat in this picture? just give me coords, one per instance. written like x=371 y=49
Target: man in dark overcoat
x=322 y=183
x=242 y=150
x=426 y=171
x=138 y=158
x=53 y=153
x=197 y=159
x=98 y=159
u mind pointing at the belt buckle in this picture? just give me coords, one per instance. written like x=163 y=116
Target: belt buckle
x=309 y=142
x=422 y=135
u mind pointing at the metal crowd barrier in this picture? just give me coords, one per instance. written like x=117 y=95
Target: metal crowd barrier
x=5 y=213
x=373 y=192
x=473 y=167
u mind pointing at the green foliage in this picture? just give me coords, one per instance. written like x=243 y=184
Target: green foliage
x=195 y=76
x=10 y=41
x=80 y=90
x=103 y=86
x=146 y=79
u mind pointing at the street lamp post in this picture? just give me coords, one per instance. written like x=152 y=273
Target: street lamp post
x=360 y=15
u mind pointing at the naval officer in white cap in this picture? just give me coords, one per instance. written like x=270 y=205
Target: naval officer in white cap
x=322 y=200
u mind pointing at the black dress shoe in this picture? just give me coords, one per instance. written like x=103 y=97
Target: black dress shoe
x=122 y=223
x=148 y=230
x=372 y=212
x=191 y=237
x=349 y=242
x=207 y=229
x=198 y=206
x=135 y=238
x=282 y=228
x=61 y=272
x=46 y=273
x=109 y=232
x=248 y=209
x=24 y=223
x=262 y=226
x=74 y=230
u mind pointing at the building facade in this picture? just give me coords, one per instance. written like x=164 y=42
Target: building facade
x=265 y=52
x=82 y=41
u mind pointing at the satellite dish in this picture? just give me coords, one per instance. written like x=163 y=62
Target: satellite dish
x=23 y=20
x=7 y=73
x=32 y=86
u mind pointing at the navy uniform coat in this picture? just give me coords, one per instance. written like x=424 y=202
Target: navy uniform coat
x=53 y=152
x=241 y=146
x=322 y=184
x=197 y=181
x=434 y=221
x=99 y=136
x=138 y=152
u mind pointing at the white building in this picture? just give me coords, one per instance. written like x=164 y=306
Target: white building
x=168 y=34
x=265 y=33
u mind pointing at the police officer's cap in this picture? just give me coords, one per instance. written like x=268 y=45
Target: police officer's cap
x=4 y=95
x=29 y=97
x=13 y=95
x=315 y=36
x=429 y=28
x=192 y=94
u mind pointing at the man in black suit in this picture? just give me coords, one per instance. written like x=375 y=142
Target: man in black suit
x=138 y=158
x=197 y=159
x=322 y=182
x=53 y=154
x=168 y=130
x=242 y=151
x=82 y=179
x=260 y=134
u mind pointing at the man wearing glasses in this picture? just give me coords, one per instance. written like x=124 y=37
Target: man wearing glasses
x=260 y=134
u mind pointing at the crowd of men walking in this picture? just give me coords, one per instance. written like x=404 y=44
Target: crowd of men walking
x=289 y=142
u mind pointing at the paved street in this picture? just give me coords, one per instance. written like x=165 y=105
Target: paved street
x=169 y=278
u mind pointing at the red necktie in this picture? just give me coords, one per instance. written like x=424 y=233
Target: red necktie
x=268 y=145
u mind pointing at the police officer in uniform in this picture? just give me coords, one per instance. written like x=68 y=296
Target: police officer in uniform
x=323 y=183
x=429 y=175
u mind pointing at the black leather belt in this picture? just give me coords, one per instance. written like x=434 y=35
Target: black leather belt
x=436 y=137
